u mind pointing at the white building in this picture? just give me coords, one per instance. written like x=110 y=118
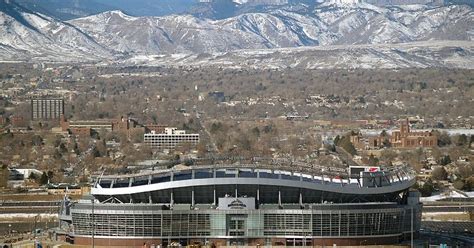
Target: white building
x=171 y=138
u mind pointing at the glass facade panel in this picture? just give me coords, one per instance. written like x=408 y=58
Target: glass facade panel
x=126 y=221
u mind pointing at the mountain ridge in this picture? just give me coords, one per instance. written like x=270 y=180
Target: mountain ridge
x=280 y=28
x=113 y=35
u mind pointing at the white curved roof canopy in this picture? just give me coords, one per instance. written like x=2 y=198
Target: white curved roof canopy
x=394 y=181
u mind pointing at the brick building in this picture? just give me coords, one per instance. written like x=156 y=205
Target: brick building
x=402 y=138
x=405 y=138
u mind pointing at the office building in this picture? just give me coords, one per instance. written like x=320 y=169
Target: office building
x=170 y=138
x=47 y=109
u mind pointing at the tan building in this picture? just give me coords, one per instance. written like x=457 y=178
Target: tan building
x=376 y=142
x=405 y=138
x=63 y=189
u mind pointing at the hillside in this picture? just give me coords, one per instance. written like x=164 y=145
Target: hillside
x=367 y=29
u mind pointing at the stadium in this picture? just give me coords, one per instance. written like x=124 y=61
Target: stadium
x=255 y=202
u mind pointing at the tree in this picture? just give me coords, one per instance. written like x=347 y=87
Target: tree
x=445 y=160
x=427 y=189
x=436 y=153
x=215 y=127
x=37 y=140
x=62 y=148
x=50 y=175
x=465 y=171
x=95 y=152
x=444 y=139
x=460 y=140
x=458 y=184
x=439 y=173
x=33 y=177
x=469 y=183
x=95 y=134
x=269 y=128
x=388 y=155
x=4 y=173
x=44 y=179
x=373 y=161
x=256 y=132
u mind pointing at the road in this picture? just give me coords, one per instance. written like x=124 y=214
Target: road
x=448 y=208
x=449 y=226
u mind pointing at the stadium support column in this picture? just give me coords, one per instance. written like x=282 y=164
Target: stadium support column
x=214 y=196
x=192 y=197
x=279 y=197
x=171 y=199
x=301 y=198
x=258 y=195
x=193 y=176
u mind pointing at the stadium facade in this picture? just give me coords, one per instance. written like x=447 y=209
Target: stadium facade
x=247 y=204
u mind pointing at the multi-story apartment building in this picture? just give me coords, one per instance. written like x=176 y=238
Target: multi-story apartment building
x=171 y=138
x=47 y=108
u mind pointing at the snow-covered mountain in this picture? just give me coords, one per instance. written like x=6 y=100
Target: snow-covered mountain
x=28 y=35
x=70 y=9
x=327 y=25
x=451 y=54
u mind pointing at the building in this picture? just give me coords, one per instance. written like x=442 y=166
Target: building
x=22 y=174
x=157 y=128
x=47 y=108
x=217 y=96
x=402 y=138
x=294 y=116
x=222 y=203
x=405 y=138
x=123 y=124
x=18 y=121
x=81 y=131
x=69 y=189
x=85 y=126
x=170 y=139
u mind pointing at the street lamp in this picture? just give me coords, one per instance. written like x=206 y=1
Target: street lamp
x=93 y=224
x=411 y=227
x=34 y=229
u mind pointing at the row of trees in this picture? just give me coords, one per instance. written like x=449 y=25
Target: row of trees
x=44 y=179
